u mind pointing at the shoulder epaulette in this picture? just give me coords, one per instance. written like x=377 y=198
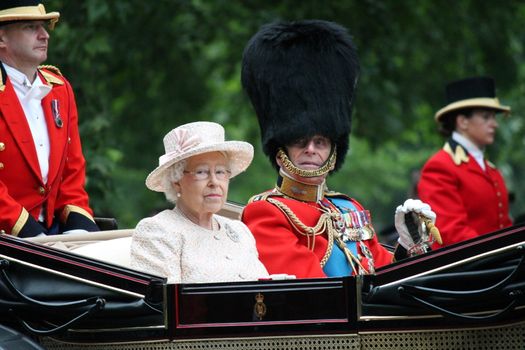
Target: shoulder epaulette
x=51 y=68
x=265 y=195
x=336 y=194
x=458 y=154
x=51 y=74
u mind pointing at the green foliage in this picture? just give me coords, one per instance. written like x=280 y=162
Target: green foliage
x=140 y=68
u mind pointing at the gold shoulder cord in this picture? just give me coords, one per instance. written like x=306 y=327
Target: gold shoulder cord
x=323 y=224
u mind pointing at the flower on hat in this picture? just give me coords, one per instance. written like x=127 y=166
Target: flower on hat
x=183 y=141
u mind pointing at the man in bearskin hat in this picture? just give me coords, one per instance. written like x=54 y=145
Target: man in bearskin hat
x=466 y=190
x=301 y=77
x=41 y=163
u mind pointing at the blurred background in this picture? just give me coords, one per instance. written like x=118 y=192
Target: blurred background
x=140 y=68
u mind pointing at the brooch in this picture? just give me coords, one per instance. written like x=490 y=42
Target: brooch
x=233 y=235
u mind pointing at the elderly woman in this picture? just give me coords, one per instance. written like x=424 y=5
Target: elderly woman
x=190 y=243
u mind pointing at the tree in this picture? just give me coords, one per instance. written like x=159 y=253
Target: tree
x=140 y=68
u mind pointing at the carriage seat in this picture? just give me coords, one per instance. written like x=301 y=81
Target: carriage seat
x=111 y=246
x=115 y=251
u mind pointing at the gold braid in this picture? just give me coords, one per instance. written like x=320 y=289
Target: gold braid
x=431 y=228
x=328 y=166
x=323 y=224
x=352 y=259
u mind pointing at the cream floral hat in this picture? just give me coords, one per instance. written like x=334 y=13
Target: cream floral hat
x=195 y=138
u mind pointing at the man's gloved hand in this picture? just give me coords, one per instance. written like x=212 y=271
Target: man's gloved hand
x=413 y=220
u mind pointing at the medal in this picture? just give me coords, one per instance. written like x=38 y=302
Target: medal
x=55 y=108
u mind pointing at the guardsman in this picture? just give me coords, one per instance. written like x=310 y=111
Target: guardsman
x=42 y=169
x=300 y=78
x=465 y=190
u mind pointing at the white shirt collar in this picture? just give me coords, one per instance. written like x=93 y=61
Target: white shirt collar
x=17 y=76
x=471 y=148
x=38 y=90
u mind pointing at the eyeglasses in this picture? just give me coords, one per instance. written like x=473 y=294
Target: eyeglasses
x=221 y=174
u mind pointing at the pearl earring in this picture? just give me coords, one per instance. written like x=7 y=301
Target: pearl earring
x=178 y=194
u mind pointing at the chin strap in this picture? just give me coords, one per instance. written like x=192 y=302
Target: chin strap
x=328 y=166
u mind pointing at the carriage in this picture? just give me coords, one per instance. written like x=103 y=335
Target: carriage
x=78 y=292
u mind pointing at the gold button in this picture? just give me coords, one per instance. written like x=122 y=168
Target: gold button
x=2 y=146
x=2 y=232
x=41 y=190
x=1 y=166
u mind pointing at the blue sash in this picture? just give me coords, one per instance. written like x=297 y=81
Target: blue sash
x=337 y=265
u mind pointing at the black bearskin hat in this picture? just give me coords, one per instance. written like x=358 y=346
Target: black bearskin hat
x=300 y=77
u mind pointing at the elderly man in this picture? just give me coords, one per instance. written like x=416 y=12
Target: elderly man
x=42 y=169
x=300 y=77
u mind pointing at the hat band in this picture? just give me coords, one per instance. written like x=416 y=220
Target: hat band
x=482 y=102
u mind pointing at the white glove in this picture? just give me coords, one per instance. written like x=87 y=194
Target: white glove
x=282 y=276
x=74 y=231
x=424 y=239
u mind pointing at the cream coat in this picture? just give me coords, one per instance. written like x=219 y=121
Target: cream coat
x=170 y=245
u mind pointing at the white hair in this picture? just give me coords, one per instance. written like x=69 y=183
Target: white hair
x=173 y=174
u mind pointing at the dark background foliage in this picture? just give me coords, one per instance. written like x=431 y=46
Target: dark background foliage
x=140 y=68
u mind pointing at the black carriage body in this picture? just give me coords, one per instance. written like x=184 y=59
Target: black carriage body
x=46 y=291
x=72 y=299
x=476 y=283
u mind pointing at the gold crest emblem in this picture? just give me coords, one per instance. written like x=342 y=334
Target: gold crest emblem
x=259 y=308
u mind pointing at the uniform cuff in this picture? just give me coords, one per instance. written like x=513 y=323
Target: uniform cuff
x=31 y=228
x=77 y=221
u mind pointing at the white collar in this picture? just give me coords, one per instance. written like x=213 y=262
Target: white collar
x=25 y=90
x=17 y=76
x=471 y=148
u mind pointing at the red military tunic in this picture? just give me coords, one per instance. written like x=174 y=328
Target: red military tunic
x=22 y=190
x=282 y=249
x=468 y=201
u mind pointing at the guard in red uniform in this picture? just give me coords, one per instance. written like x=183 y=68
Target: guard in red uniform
x=42 y=169
x=466 y=191
x=300 y=77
